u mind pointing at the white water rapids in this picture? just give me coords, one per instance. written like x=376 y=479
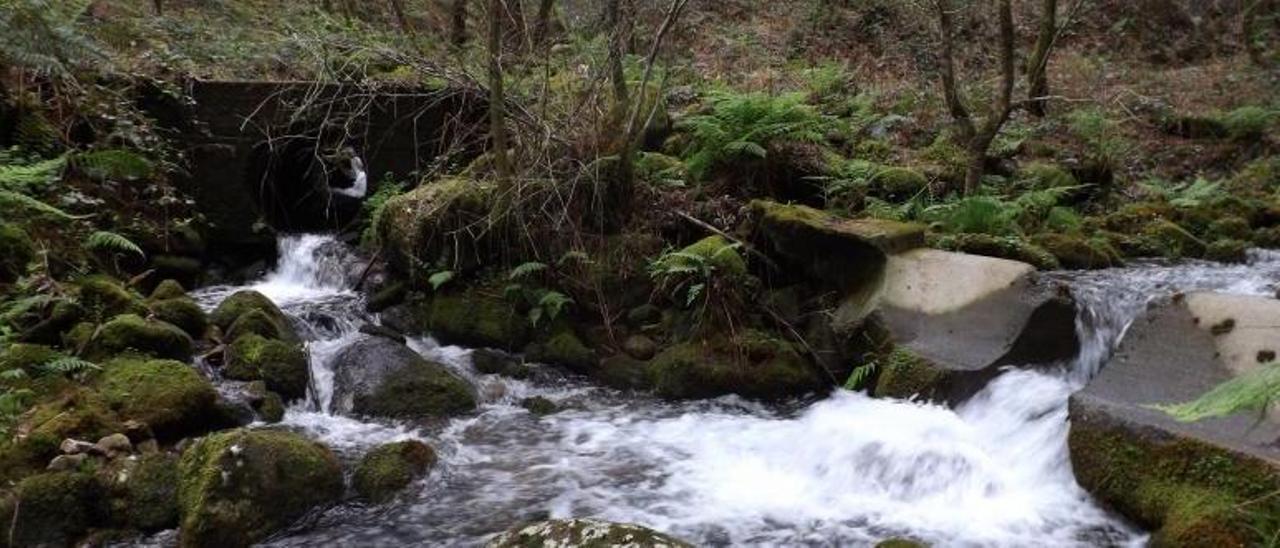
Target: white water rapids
x=847 y=470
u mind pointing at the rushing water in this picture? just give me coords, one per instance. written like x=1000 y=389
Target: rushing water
x=846 y=470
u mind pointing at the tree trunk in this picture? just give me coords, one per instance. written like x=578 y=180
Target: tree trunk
x=497 y=107
x=519 y=27
x=397 y=8
x=543 y=25
x=458 y=28
x=614 y=15
x=1037 y=65
x=159 y=5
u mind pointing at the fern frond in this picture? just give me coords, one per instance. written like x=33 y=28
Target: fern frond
x=1252 y=391
x=9 y=198
x=440 y=278
x=112 y=242
x=113 y=164
x=68 y=365
x=31 y=177
x=525 y=270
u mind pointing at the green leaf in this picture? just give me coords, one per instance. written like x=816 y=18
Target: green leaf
x=14 y=199
x=1252 y=391
x=526 y=269
x=858 y=378
x=63 y=366
x=113 y=164
x=112 y=242
x=695 y=291
x=440 y=278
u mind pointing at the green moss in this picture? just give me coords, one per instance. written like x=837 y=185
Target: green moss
x=903 y=375
x=585 y=533
x=899 y=183
x=78 y=337
x=258 y=323
x=387 y=296
x=564 y=348
x=1043 y=175
x=476 y=317
x=539 y=406
x=421 y=390
x=240 y=303
x=271 y=408
x=717 y=251
x=1172 y=240
x=235 y=488
x=182 y=312
x=143 y=492
x=168 y=289
x=900 y=543
x=179 y=267
x=1227 y=251
x=129 y=332
x=78 y=413
x=1188 y=492
x=104 y=298
x=1078 y=252
x=1230 y=227
x=753 y=364
x=16 y=252
x=281 y=365
x=26 y=357
x=1248 y=123
x=426 y=225
x=54 y=509
x=388 y=468
x=171 y=397
x=1004 y=247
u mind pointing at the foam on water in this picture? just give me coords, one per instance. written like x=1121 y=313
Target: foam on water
x=846 y=470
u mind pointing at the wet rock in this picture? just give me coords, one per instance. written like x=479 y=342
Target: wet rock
x=968 y=315
x=168 y=289
x=387 y=469
x=133 y=333
x=171 y=397
x=585 y=532
x=76 y=447
x=563 y=349
x=103 y=297
x=640 y=347
x=378 y=377
x=1184 y=480
x=115 y=445
x=476 y=317
x=381 y=331
x=67 y=463
x=387 y=296
x=260 y=323
x=497 y=362
x=268 y=405
x=143 y=492
x=283 y=366
x=1077 y=252
x=242 y=302
x=182 y=312
x=539 y=406
x=235 y=488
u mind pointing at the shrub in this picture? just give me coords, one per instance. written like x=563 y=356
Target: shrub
x=1106 y=144
x=1250 y=122
x=741 y=126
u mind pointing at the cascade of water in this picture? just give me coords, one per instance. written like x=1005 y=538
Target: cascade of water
x=846 y=470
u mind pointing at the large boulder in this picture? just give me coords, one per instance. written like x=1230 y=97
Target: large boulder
x=237 y=487
x=243 y=302
x=104 y=297
x=847 y=256
x=52 y=509
x=143 y=491
x=388 y=468
x=169 y=396
x=428 y=225
x=971 y=315
x=1194 y=483
x=478 y=317
x=182 y=312
x=283 y=366
x=375 y=376
x=586 y=533
x=130 y=333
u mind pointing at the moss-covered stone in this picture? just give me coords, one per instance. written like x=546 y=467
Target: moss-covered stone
x=899 y=183
x=281 y=365
x=1172 y=240
x=417 y=392
x=237 y=487
x=1012 y=248
x=904 y=375
x=129 y=332
x=1230 y=227
x=476 y=317
x=167 y=289
x=719 y=253
x=143 y=492
x=1189 y=493
x=259 y=323
x=753 y=364
x=539 y=406
x=46 y=325
x=240 y=303
x=77 y=413
x=27 y=357
x=585 y=533
x=16 y=252
x=1227 y=250
x=563 y=348
x=53 y=509
x=1078 y=252
x=1043 y=175
x=388 y=468
x=104 y=298
x=425 y=225
x=171 y=397
x=182 y=312
x=78 y=337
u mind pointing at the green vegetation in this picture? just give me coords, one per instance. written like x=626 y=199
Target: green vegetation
x=1254 y=391
x=742 y=126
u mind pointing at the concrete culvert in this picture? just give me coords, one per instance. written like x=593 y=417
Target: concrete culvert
x=303 y=186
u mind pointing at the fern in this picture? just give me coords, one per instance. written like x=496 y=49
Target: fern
x=112 y=242
x=113 y=164
x=41 y=35
x=860 y=375
x=67 y=366
x=549 y=304
x=27 y=178
x=574 y=256
x=743 y=125
x=525 y=270
x=1254 y=391
x=9 y=198
x=15 y=374
x=440 y=278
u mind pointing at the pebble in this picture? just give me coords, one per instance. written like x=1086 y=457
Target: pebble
x=66 y=463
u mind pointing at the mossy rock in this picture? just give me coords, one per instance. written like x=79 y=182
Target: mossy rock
x=476 y=317
x=1231 y=227
x=258 y=322
x=1043 y=175
x=717 y=252
x=899 y=183
x=754 y=364
x=585 y=533
x=238 y=487
x=242 y=302
x=1077 y=252
x=104 y=298
x=281 y=365
x=182 y=312
x=424 y=225
x=52 y=509
x=387 y=296
x=1004 y=247
x=1187 y=492
x=416 y=392
x=1132 y=218
x=129 y=332
x=539 y=406
x=905 y=375
x=27 y=357
x=171 y=397
x=185 y=269
x=143 y=492
x=564 y=349
x=1227 y=250
x=168 y=289
x=48 y=326
x=1172 y=240
x=16 y=252
x=389 y=468
x=79 y=336
x=78 y=413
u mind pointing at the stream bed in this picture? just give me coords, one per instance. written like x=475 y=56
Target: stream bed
x=845 y=470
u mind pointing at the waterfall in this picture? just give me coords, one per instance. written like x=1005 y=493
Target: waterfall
x=847 y=470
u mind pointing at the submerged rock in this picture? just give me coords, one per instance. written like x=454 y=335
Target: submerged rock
x=585 y=532
x=378 y=377
x=387 y=469
x=236 y=488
